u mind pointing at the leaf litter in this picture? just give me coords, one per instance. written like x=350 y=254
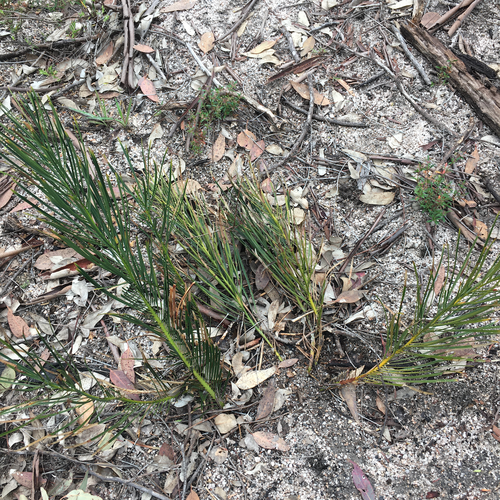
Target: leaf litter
x=373 y=196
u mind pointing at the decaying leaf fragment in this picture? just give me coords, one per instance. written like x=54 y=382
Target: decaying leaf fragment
x=303 y=90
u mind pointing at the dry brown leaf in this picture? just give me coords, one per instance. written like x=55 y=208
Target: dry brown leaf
x=166 y=450
x=270 y=441
x=308 y=46
x=188 y=186
x=148 y=89
x=6 y=195
x=17 y=325
x=287 y=363
x=377 y=198
x=105 y=55
x=182 y=5
x=127 y=364
x=261 y=277
x=481 y=229
x=349 y=297
x=246 y=139
x=267 y=186
x=206 y=42
x=45 y=262
x=429 y=19
x=23 y=478
x=219 y=148
x=438 y=284
x=250 y=379
x=23 y=206
x=263 y=46
x=120 y=380
x=225 y=422
x=303 y=90
x=193 y=495
x=472 y=162
x=257 y=149
x=85 y=410
x=348 y=392
x=380 y=404
x=266 y=404
x=145 y=49
x=345 y=85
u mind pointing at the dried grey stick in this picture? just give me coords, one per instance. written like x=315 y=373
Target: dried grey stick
x=411 y=57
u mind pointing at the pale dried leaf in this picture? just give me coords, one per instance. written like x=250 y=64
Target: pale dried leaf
x=287 y=363
x=17 y=325
x=303 y=90
x=348 y=392
x=274 y=149
x=438 y=284
x=246 y=139
x=148 y=89
x=270 y=441
x=472 y=162
x=156 y=133
x=308 y=46
x=182 y=5
x=263 y=46
x=378 y=198
x=298 y=216
x=85 y=410
x=145 y=49
x=6 y=379
x=206 y=42
x=349 y=297
x=219 y=148
x=254 y=378
x=225 y=422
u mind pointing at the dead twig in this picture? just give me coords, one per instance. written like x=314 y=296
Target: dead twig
x=239 y=22
x=128 y=46
x=333 y=121
x=463 y=17
x=51 y=45
x=353 y=252
x=411 y=57
x=400 y=87
x=307 y=124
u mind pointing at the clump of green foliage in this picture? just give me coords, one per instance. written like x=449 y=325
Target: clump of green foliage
x=434 y=192
x=216 y=104
x=444 y=72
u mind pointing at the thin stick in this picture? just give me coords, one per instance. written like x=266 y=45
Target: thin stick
x=460 y=20
x=411 y=57
x=239 y=22
x=333 y=121
x=201 y=65
x=405 y=94
x=51 y=45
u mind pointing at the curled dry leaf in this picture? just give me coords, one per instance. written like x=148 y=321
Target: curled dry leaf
x=225 y=422
x=256 y=150
x=148 y=89
x=219 y=148
x=270 y=441
x=348 y=392
x=17 y=325
x=206 y=42
x=182 y=5
x=361 y=482
x=120 y=380
x=261 y=277
x=308 y=46
x=263 y=46
x=287 y=363
x=378 y=198
x=349 y=297
x=145 y=49
x=105 y=55
x=254 y=378
x=266 y=404
x=246 y=139
x=303 y=90
x=438 y=284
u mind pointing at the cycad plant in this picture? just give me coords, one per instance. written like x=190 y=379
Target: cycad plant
x=456 y=311
x=116 y=226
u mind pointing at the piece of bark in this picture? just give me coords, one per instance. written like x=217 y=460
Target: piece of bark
x=485 y=102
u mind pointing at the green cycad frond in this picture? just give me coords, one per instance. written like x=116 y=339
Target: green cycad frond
x=113 y=225
x=443 y=329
